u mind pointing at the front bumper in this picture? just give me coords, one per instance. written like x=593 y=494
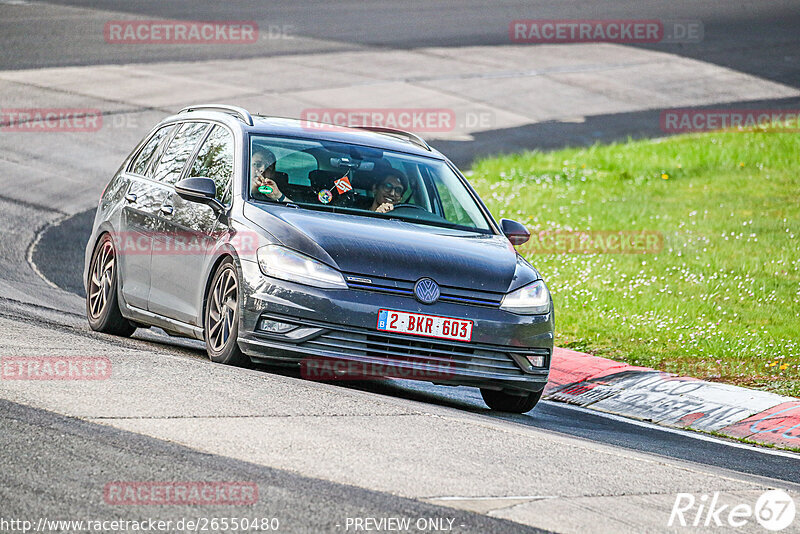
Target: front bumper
x=340 y=325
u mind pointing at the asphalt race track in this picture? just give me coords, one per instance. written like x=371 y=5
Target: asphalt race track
x=323 y=453
x=54 y=251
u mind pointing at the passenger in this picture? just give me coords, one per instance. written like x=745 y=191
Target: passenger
x=389 y=191
x=262 y=168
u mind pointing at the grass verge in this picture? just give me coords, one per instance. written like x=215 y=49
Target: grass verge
x=720 y=300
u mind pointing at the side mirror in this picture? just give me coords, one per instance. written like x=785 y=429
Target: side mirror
x=202 y=190
x=515 y=232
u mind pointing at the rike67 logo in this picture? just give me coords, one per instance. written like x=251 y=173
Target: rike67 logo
x=774 y=510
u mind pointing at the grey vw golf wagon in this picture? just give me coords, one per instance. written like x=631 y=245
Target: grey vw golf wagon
x=351 y=252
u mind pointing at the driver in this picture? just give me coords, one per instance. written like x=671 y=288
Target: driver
x=262 y=169
x=388 y=191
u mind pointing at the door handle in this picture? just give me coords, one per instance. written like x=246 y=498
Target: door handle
x=167 y=209
x=131 y=197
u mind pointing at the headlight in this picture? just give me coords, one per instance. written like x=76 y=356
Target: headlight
x=280 y=262
x=529 y=300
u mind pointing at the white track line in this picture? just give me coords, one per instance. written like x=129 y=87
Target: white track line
x=686 y=433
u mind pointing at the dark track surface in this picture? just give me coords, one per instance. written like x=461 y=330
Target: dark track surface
x=755 y=36
x=59 y=254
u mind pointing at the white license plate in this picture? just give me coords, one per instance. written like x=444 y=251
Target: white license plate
x=419 y=324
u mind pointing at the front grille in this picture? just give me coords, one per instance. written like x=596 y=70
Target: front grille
x=433 y=355
x=401 y=287
x=409 y=351
x=430 y=354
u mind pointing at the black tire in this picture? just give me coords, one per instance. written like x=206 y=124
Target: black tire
x=102 y=303
x=507 y=402
x=221 y=317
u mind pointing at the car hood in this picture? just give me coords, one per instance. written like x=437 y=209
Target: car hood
x=387 y=248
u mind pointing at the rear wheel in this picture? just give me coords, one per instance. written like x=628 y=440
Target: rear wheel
x=102 y=304
x=508 y=402
x=221 y=318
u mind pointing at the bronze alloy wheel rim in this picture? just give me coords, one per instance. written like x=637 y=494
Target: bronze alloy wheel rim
x=101 y=280
x=222 y=310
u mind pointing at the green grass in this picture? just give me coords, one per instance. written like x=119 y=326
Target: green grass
x=721 y=300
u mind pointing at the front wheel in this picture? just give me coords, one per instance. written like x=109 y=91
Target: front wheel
x=221 y=317
x=102 y=304
x=507 y=402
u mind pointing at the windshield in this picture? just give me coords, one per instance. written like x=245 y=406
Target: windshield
x=363 y=181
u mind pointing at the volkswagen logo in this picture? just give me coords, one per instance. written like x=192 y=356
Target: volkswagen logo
x=426 y=291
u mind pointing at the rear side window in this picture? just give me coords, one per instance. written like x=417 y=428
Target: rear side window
x=215 y=161
x=179 y=149
x=296 y=164
x=149 y=151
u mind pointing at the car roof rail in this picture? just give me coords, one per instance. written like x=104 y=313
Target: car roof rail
x=414 y=138
x=240 y=113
